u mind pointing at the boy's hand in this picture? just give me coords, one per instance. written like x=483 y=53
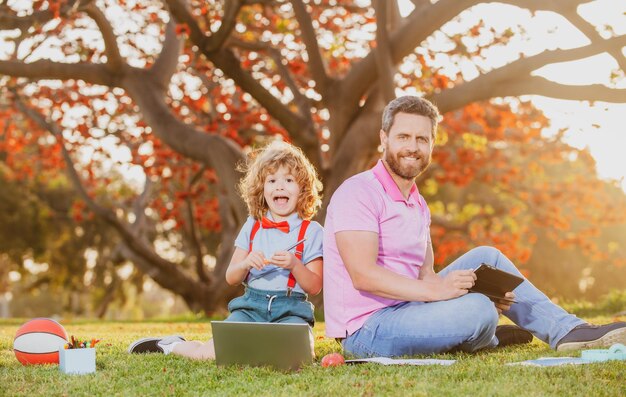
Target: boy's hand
x=284 y=259
x=255 y=259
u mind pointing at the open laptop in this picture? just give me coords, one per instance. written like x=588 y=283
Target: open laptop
x=278 y=345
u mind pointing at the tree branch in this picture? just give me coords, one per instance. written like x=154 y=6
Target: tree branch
x=44 y=69
x=12 y=21
x=112 y=51
x=193 y=232
x=139 y=206
x=9 y=21
x=359 y=145
x=420 y=3
x=316 y=64
x=109 y=295
x=230 y=228
x=535 y=85
x=590 y=31
x=167 y=61
x=229 y=20
x=568 y=9
x=210 y=86
x=557 y=6
x=384 y=66
x=214 y=42
x=509 y=80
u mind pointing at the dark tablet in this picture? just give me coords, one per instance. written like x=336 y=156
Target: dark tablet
x=494 y=283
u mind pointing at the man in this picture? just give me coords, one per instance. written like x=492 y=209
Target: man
x=381 y=294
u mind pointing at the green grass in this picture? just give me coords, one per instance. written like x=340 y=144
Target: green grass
x=118 y=373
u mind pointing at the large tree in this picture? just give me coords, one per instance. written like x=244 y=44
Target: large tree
x=184 y=88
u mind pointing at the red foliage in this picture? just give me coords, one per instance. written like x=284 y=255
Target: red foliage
x=182 y=28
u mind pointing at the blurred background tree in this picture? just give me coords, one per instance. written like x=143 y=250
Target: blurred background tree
x=122 y=123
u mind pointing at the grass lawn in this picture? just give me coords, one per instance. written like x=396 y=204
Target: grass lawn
x=118 y=373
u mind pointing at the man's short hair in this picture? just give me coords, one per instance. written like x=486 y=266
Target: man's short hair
x=411 y=105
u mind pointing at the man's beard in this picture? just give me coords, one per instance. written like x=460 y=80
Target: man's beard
x=407 y=172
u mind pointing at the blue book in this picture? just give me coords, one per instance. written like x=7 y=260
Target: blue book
x=553 y=361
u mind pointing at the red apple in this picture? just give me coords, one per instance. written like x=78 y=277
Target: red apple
x=333 y=360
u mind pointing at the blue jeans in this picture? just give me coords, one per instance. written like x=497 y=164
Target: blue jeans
x=257 y=305
x=467 y=323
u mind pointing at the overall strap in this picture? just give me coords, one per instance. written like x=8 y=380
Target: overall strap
x=299 y=250
x=255 y=228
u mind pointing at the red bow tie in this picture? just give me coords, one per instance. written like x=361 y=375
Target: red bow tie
x=282 y=226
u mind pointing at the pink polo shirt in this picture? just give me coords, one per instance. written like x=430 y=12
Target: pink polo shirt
x=371 y=201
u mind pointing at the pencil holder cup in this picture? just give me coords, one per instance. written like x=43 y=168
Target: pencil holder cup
x=77 y=361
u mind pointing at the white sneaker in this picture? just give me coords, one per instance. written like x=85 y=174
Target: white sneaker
x=167 y=344
x=151 y=345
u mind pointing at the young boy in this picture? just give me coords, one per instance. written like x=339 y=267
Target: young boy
x=278 y=252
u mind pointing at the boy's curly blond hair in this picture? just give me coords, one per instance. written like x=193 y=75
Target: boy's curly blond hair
x=267 y=160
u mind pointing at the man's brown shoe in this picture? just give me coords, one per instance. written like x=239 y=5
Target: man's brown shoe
x=509 y=335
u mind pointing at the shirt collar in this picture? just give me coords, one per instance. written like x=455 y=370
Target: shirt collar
x=293 y=219
x=385 y=179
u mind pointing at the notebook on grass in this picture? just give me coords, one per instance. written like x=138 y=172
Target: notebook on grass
x=281 y=346
x=494 y=283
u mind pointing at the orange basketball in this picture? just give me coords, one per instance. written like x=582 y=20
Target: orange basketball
x=38 y=341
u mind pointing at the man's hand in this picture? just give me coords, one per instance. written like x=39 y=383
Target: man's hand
x=457 y=283
x=502 y=306
x=284 y=259
x=255 y=259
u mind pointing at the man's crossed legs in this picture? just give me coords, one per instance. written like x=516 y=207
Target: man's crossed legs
x=468 y=323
